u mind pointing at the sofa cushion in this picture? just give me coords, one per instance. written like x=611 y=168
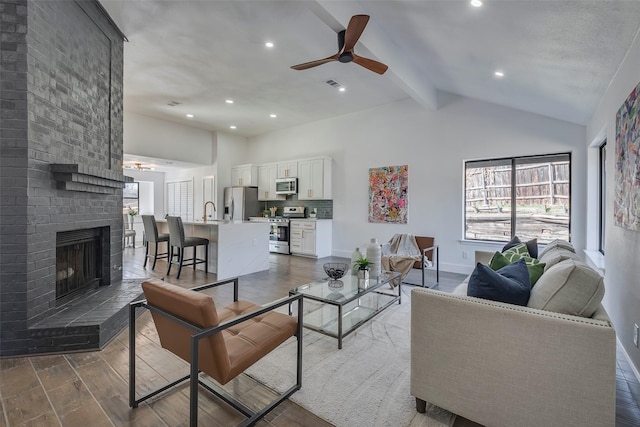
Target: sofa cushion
x=532 y=246
x=558 y=243
x=569 y=287
x=555 y=255
x=535 y=267
x=461 y=289
x=509 y=284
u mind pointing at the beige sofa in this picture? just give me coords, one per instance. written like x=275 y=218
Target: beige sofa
x=500 y=364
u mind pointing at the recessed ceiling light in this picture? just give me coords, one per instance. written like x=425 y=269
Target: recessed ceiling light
x=342 y=89
x=273 y=116
x=229 y=101
x=499 y=74
x=232 y=127
x=269 y=44
x=190 y=116
x=476 y=3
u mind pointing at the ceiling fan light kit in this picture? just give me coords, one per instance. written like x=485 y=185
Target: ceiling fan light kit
x=347 y=39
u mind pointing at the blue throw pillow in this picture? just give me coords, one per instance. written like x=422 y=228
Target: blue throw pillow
x=510 y=284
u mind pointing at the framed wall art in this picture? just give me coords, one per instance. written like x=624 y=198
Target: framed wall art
x=388 y=189
x=626 y=208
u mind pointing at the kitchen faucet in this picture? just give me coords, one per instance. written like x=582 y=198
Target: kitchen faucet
x=204 y=217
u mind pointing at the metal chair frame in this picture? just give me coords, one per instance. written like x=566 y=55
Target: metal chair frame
x=194 y=374
x=436 y=251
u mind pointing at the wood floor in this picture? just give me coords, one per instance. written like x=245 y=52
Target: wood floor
x=91 y=388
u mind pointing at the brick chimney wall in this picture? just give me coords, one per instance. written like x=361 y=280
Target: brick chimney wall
x=61 y=65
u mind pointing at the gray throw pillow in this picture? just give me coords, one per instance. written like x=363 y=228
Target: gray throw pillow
x=569 y=287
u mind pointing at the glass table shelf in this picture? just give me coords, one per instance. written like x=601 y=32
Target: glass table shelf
x=338 y=307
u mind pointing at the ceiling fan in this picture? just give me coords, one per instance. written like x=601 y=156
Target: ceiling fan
x=137 y=166
x=347 y=39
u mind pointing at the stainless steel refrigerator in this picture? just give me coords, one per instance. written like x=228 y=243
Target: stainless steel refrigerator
x=240 y=203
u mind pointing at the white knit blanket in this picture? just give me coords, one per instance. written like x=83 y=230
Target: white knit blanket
x=403 y=245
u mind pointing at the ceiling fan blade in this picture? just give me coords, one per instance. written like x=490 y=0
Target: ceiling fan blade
x=354 y=31
x=315 y=63
x=370 y=64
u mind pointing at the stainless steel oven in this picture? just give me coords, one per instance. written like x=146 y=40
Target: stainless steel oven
x=279 y=237
x=278 y=233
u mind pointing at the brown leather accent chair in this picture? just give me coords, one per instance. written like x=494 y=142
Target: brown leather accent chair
x=428 y=248
x=220 y=343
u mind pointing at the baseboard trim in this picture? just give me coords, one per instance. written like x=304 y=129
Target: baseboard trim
x=626 y=356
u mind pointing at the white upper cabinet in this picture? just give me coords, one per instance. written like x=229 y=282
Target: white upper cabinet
x=267 y=182
x=244 y=175
x=288 y=169
x=314 y=179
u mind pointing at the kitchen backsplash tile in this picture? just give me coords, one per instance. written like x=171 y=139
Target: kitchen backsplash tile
x=324 y=207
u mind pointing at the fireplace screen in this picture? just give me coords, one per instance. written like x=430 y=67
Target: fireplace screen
x=78 y=261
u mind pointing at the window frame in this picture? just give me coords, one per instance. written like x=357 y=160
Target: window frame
x=513 y=162
x=602 y=194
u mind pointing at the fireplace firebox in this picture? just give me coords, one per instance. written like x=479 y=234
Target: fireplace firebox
x=79 y=265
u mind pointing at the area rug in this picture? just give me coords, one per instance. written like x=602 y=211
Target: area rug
x=364 y=384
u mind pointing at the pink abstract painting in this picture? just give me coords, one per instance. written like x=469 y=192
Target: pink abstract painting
x=388 y=188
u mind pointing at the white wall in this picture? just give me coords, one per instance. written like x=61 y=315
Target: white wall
x=146 y=136
x=622 y=247
x=232 y=150
x=434 y=144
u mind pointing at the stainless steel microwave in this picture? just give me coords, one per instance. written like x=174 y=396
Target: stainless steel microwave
x=287 y=186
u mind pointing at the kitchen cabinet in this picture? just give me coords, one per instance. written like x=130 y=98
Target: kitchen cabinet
x=310 y=238
x=267 y=182
x=314 y=179
x=288 y=169
x=244 y=175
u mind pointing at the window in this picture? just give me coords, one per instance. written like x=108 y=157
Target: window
x=180 y=199
x=524 y=196
x=130 y=194
x=602 y=190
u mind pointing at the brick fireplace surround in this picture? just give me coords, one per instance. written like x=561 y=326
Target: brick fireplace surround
x=60 y=162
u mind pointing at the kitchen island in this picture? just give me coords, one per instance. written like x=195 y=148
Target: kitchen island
x=235 y=247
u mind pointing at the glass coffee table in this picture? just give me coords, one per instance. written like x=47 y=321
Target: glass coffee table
x=338 y=307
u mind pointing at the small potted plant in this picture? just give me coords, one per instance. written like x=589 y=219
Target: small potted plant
x=313 y=213
x=362 y=265
x=266 y=213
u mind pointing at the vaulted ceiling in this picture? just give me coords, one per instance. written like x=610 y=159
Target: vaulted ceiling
x=557 y=57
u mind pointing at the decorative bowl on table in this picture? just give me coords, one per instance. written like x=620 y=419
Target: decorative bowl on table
x=335 y=270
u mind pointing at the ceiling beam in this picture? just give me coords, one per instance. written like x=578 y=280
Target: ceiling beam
x=402 y=70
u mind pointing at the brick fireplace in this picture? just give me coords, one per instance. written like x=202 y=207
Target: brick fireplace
x=60 y=164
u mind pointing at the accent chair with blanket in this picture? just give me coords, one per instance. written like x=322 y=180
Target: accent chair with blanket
x=548 y=362
x=404 y=252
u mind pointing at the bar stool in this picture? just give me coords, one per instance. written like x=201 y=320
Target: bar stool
x=152 y=236
x=179 y=241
